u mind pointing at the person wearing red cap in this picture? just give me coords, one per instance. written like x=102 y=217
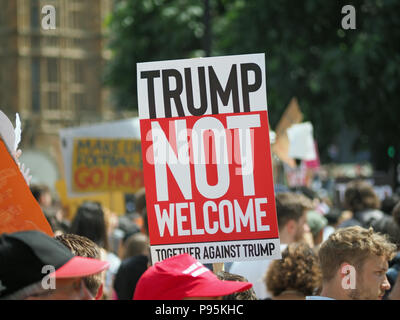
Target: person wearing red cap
x=35 y=266
x=182 y=277
x=84 y=247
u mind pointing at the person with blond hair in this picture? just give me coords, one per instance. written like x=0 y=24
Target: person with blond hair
x=354 y=262
x=84 y=247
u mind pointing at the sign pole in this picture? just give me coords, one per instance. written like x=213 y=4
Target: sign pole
x=218 y=266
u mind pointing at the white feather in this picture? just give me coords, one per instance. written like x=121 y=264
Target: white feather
x=18 y=131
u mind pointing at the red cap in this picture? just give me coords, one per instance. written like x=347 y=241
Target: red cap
x=80 y=267
x=181 y=277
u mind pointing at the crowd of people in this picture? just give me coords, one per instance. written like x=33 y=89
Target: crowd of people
x=346 y=251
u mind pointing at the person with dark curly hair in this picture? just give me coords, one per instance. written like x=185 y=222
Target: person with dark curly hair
x=296 y=275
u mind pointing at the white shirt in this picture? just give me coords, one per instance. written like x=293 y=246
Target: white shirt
x=318 y=298
x=254 y=272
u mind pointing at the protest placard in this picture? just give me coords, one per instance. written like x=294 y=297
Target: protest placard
x=88 y=174
x=291 y=116
x=19 y=211
x=206 y=158
x=107 y=165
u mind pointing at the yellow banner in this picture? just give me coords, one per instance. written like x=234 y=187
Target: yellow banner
x=101 y=164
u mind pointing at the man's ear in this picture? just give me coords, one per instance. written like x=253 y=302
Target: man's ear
x=99 y=293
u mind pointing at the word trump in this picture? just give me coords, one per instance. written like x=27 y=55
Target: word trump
x=196 y=91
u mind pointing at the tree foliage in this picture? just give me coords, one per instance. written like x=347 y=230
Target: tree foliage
x=340 y=77
x=149 y=30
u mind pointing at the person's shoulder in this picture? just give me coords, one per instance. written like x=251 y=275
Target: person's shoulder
x=349 y=223
x=369 y=216
x=114 y=261
x=139 y=261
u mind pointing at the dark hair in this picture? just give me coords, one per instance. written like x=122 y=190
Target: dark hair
x=306 y=191
x=396 y=214
x=333 y=216
x=291 y=206
x=89 y=222
x=388 y=204
x=360 y=195
x=140 y=196
x=387 y=226
x=38 y=190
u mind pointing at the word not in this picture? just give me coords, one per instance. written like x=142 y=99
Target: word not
x=184 y=86
x=238 y=218
x=349 y=20
x=49 y=20
x=202 y=139
x=179 y=163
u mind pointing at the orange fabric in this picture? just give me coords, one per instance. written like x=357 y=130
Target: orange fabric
x=19 y=210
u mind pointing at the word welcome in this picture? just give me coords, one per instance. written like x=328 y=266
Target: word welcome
x=230 y=217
